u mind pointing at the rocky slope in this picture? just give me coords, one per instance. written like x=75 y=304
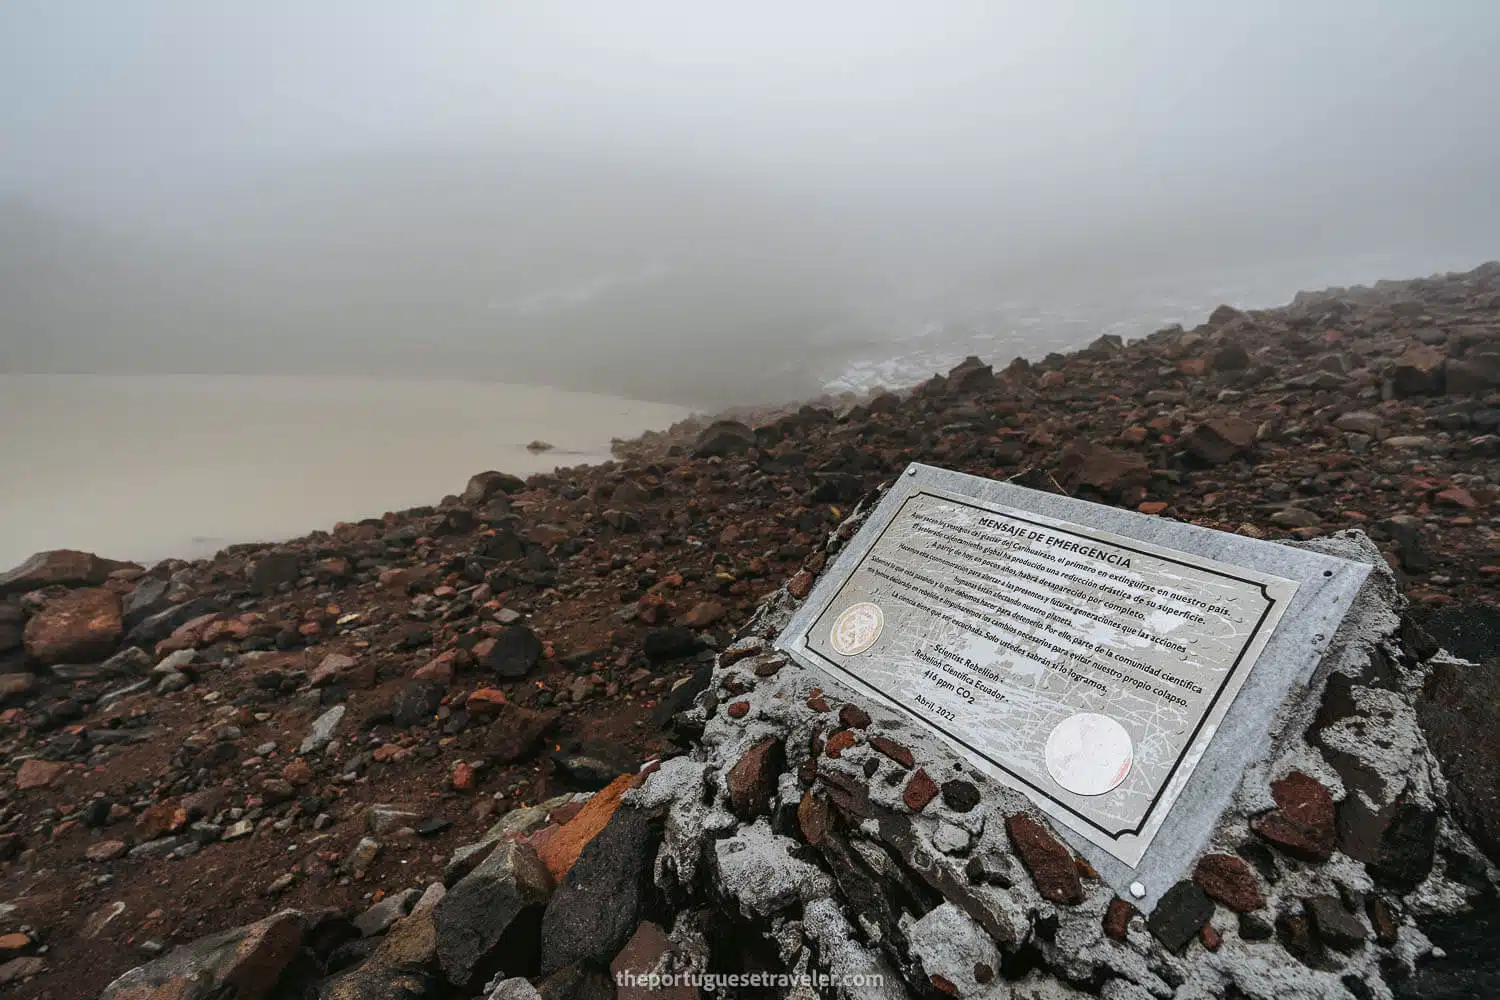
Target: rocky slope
x=313 y=734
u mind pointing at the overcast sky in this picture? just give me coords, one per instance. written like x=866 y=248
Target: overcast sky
x=921 y=132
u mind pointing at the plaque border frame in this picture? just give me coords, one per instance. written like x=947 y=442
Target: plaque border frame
x=1288 y=659
x=1274 y=605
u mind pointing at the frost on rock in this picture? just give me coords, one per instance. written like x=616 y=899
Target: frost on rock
x=951 y=945
x=756 y=867
x=861 y=973
x=843 y=873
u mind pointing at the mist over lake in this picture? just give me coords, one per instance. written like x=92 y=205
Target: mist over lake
x=147 y=467
x=681 y=204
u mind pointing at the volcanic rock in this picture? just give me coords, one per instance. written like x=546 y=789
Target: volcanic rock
x=1334 y=925
x=1049 y=862
x=1102 y=469
x=80 y=626
x=595 y=910
x=1460 y=715
x=752 y=781
x=416 y=702
x=724 y=438
x=272 y=570
x=59 y=567
x=1219 y=440
x=1302 y=825
x=671 y=643
x=1418 y=372
x=516 y=732
x=513 y=655
x=472 y=918
x=1228 y=880
x=244 y=963
x=1180 y=914
x=486 y=484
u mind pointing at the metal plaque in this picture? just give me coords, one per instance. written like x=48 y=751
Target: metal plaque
x=1088 y=666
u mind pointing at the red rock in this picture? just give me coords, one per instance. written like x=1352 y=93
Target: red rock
x=817 y=703
x=839 y=742
x=13 y=944
x=1152 y=507
x=298 y=772
x=81 y=626
x=752 y=780
x=565 y=812
x=943 y=985
x=244 y=963
x=1229 y=880
x=1302 y=825
x=730 y=657
x=1210 y=937
x=516 y=732
x=801 y=585
x=329 y=669
x=814 y=818
x=768 y=668
x=920 y=790
x=1193 y=366
x=1117 y=918
x=387 y=752
x=439 y=669
x=853 y=717
x=1382 y=921
x=1456 y=496
x=106 y=850
x=1219 y=440
x=703 y=614
x=1049 y=862
x=1418 y=372
x=156 y=820
x=562 y=848
x=38 y=773
x=640 y=957
x=895 y=751
x=738 y=709
x=1101 y=468
x=486 y=701
x=59 y=567
x=462 y=777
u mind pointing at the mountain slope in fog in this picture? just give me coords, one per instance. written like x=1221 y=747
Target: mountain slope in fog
x=586 y=282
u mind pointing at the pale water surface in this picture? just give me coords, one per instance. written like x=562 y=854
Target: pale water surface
x=145 y=467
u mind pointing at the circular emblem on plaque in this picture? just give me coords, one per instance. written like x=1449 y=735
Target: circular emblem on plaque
x=857 y=628
x=1089 y=754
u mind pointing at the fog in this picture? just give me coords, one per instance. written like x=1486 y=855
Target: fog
x=712 y=203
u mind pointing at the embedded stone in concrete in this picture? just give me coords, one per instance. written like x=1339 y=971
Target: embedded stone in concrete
x=1179 y=915
x=1050 y=863
x=1228 y=880
x=1302 y=824
x=1335 y=926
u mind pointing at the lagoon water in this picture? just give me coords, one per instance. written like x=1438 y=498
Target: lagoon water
x=146 y=467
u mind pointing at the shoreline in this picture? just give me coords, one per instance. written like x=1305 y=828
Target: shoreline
x=652 y=440
x=141 y=465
